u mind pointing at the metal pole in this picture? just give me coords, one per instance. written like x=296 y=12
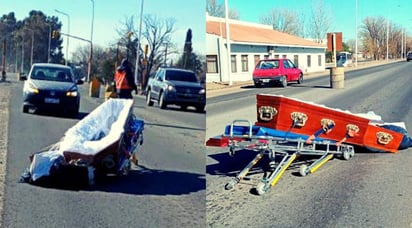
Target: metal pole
x=91 y=45
x=402 y=44
x=68 y=33
x=229 y=59
x=22 y=55
x=32 y=46
x=138 y=50
x=48 y=50
x=387 y=39
x=356 y=36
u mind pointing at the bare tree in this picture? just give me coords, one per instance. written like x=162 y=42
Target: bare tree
x=282 y=20
x=158 y=33
x=319 y=22
x=103 y=62
x=213 y=8
x=373 y=36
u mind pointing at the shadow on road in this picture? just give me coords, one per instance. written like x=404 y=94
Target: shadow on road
x=231 y=166
x=143 y=181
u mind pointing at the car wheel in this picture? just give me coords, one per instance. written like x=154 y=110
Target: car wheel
x=258 y=85
x=25 y=109
x=149 y=101
x=284 y=82
x=162 y=102
x=300 y=80
x=200 y=108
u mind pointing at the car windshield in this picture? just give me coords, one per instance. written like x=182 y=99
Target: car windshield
x=268 y=64
x=51 y=74
x=174 y=75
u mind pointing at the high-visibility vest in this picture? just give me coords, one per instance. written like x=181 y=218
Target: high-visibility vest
x=121 y=80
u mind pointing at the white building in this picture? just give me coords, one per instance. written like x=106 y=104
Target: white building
x=250 y=42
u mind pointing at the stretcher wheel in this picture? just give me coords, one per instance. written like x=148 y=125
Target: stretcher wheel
x=261 y=188
x=348 y=154
x=231 y=151
x=230 y=185
x=304 y=170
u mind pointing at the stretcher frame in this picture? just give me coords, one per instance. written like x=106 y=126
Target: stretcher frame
x=288 y=149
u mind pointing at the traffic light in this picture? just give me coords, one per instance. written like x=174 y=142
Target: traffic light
x=55 y=34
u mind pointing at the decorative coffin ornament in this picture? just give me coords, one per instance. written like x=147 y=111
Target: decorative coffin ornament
x=298 y=119
x=384 y=138
x=266 y=113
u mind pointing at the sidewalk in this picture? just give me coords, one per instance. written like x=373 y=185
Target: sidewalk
x=219 y=88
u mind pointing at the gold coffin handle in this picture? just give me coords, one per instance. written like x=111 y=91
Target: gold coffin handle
x=266 y=113
x=384 y=138
x=299 y=119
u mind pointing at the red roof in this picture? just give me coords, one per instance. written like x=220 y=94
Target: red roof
x=257 y=34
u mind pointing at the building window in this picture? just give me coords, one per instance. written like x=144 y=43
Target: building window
x=257 y=59
x=276 y=56
x=284 y=56
x=266 y=57
x=296 y=60
x=211 y=66
x=233 y=60
x=308 y=61
x=319 y=60
x=244 y=63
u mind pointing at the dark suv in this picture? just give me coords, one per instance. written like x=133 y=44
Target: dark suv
x=409 y=56
x=175 y=86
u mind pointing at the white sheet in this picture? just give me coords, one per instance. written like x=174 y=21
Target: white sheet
x=102 y=127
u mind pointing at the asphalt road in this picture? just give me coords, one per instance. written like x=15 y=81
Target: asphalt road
x=370 y=190
x=166 y=190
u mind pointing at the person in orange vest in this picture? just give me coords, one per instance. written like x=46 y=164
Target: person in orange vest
x=124 y=80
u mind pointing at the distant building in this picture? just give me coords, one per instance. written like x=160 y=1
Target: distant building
x=250 y=42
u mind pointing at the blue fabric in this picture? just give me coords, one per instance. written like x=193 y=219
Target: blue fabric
x=406 y=140
x=264 y=131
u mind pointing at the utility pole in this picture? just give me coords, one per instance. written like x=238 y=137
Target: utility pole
x=142 y=80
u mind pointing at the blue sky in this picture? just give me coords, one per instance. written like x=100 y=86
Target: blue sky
x=343 y=12
x=109 y=14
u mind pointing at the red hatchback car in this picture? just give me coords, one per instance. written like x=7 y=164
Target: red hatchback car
x=281 y=71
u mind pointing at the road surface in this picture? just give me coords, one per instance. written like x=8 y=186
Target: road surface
x=167 y=189
x=370 y=190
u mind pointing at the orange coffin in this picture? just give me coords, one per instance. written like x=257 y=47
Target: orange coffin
x=288 y=114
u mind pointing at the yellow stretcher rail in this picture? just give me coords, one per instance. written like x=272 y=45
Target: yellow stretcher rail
x=282 y=170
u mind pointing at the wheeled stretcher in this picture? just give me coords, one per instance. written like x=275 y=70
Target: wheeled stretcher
x=287 y=128
x=281 y=147
x=104 y=142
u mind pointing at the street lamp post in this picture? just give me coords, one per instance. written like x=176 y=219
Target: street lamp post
x=229 y=59
x=68 y=33
x=91 y=45
x=138 y=49
x=48 y=49
x=356 y=36
x=387 y=39
x=32 y=47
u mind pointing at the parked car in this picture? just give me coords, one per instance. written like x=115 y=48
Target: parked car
x=281 y=71
x=51 y=87
x=175 y=86
x=409 y=56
